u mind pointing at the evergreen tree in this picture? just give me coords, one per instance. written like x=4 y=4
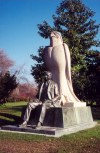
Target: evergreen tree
x=75 y=22
x=7 y=85
x=38 y=70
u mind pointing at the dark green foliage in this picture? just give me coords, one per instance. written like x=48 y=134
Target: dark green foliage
x=75 y=22
x=45 y=29
x=7 y=85
x=38 y=70
x=93 y=73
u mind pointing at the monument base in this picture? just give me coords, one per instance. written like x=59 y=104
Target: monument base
x=48 y=131
x=59 y=121
x=78 y=104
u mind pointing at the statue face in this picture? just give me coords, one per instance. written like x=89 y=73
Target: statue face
x=53 y=35
x=56 y=36
x=48 y=76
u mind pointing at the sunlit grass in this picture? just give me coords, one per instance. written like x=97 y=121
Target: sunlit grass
x=10 y=113
x=93 y=133
x=11 y=108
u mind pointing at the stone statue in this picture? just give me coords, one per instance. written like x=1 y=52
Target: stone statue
x=69 y=115
x=48 y=97
x=58 y=61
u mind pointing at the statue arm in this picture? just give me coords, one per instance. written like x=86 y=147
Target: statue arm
x=40 y=91
x=49 y=96
x=56 y=90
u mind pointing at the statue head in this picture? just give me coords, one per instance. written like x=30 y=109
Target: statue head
x=55 y=38
x=57 y=35
x=48 y=75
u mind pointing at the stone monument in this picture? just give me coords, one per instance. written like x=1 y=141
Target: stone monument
x=48 y=97
x=68 y=114
x=58 y=61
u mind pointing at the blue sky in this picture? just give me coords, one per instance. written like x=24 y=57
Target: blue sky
x=18 y=26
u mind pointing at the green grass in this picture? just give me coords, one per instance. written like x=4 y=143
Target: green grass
x=12 y=106
x=20 y=136
x=74 y=143
x=10 y=112
x=85 y=134
x=79 y=136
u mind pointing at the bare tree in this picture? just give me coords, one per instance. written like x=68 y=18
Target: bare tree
x=5 y=62
x=24 y=91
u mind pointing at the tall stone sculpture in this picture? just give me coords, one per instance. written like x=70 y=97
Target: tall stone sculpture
x=66 y=114
x=58 y=61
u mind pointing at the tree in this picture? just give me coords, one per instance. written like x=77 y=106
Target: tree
x=24 y=91
x=7 y=85
x=38 y=71
x=7 y=81
x=5 y=62
x=75 y=22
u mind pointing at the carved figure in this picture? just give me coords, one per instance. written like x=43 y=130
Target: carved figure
x=48 y=97
x=58 y=61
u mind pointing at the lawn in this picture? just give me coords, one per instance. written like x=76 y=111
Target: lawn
x=10 y=113
x=87 y=141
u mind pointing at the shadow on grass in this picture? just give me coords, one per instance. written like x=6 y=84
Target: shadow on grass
x=9 y=118
x=6 y=121
x=18 y=108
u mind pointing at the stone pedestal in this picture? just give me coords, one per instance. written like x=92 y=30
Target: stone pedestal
x=63 y=117
x=58 y=121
